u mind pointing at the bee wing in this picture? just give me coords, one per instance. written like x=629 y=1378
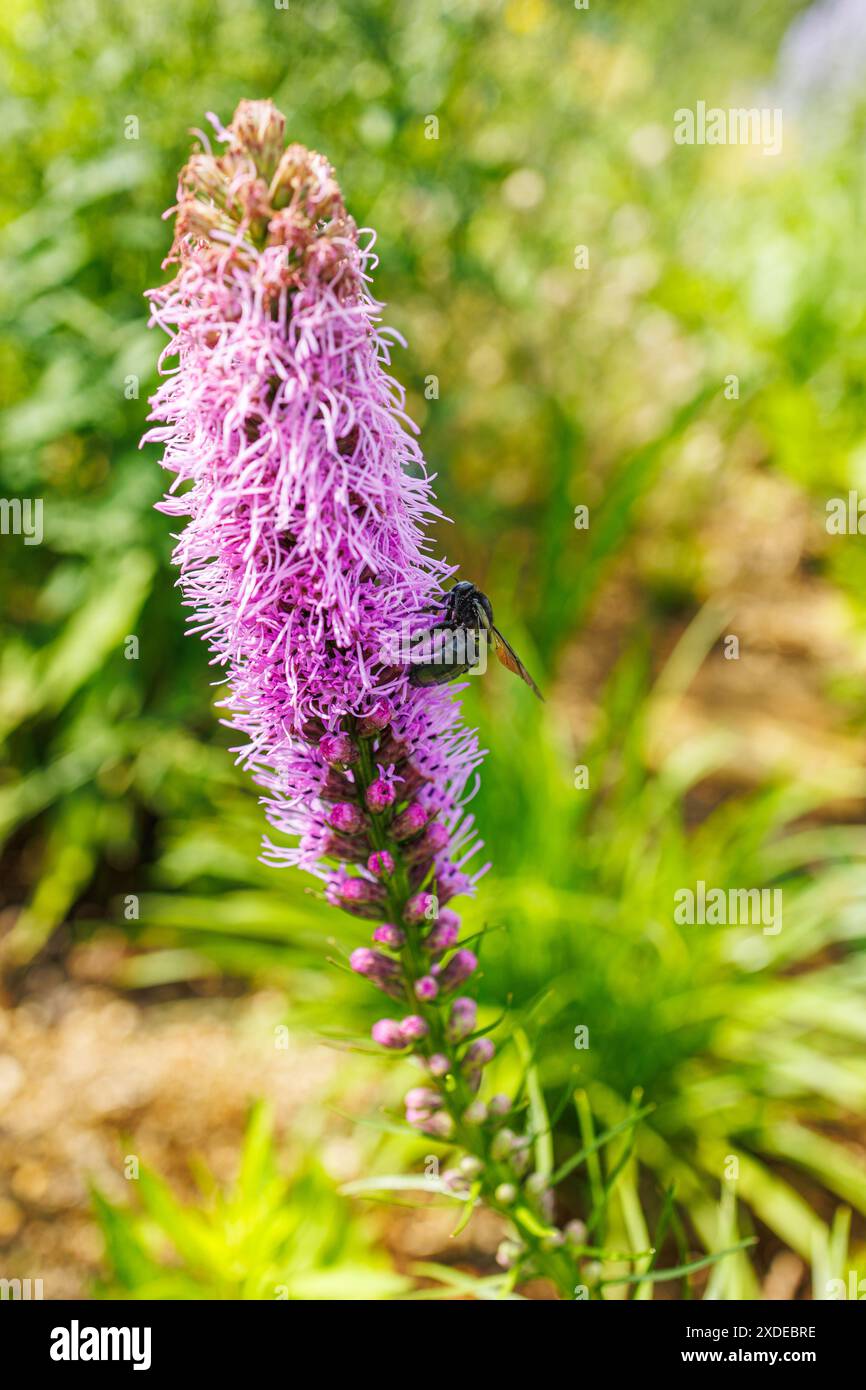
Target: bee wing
x=509 y=658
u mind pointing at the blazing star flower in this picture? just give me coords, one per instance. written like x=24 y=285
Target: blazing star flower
x=305 y=560
x=307 y=498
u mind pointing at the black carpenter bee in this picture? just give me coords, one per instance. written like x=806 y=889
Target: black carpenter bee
x=455 y=646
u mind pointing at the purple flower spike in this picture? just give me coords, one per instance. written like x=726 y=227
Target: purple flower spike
x=378 y=969
x=441 y=938
x=338 y=750
x=388 y=935
x=303 y=506
x=381 y=863
x=300 y=493
x=409 y=822
x=421 y=908
x=387 y=1033
x=462 y=1018
x=346 y=817
x=458 y=969
x=414 y=1027
x=381 y=794
x=480 y=1052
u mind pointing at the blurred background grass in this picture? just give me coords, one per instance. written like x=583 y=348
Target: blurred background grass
x=129 y=839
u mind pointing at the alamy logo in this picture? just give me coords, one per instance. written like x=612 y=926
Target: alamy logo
x=737 y=126
x=836 y=1289
x=20 y=1288
x=22 y=516
x=76 y=1343
x=846 y=516
x=732 y=907
x=435 y=646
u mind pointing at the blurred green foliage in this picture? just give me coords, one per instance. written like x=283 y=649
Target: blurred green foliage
x=556 y=387
x=267 y=1237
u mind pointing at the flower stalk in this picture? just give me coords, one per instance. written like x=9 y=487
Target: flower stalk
x=304 y=552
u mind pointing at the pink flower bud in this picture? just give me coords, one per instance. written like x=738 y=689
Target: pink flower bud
x=480 y=1052
x=508 y=1252
x=418 y=1118
x=378 y=969
x=458 y=969
x=475 y=1113
x=414 y=1027
x=259 y=129
x=357 y=895
x=462 y=1018
x=500 y=1148
x=338 y=750
x=426 y=988
x=441 y=938
x=439 y=1064
x=409 y=822
x=388 y=935
x=387 y=1033
x=423 y=1098
x=520 y=1161
x=380 y=795
x=440 y=1125
x=421 y=852
x=575 y=1232
x=435 y=838
x=448 y=918
x=381 y=863
x=422 y=907
x=376 y=719
x=346 y=818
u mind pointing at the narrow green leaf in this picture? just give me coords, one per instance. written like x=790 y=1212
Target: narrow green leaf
x=582 y=1154
x=539 y=1120
x=399 y=1182
x=657 y=1276
x=467 y=1212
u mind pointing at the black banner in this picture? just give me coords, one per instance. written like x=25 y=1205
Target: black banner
x=85 y=1340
